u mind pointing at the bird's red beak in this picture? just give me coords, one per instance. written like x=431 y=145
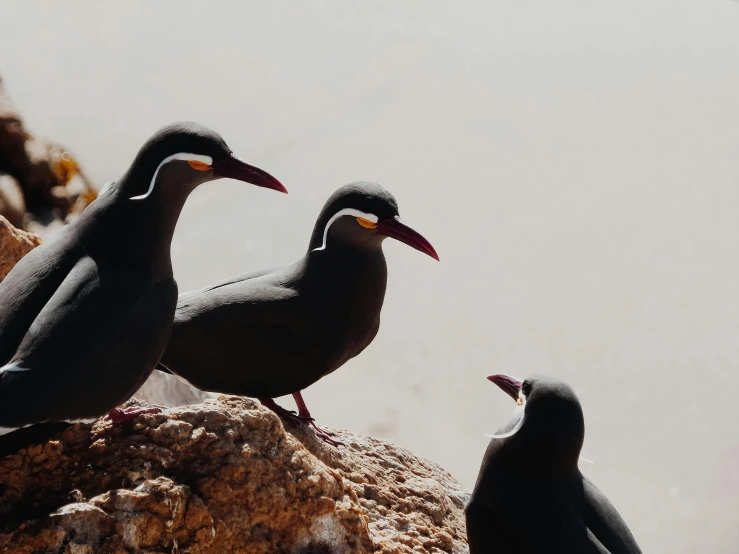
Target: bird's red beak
x=231 y=167
x=394 y=228
x=509 y=385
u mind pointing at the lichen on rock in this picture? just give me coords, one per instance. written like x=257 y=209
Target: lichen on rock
x=224 y=476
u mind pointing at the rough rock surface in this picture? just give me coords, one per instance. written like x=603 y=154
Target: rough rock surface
x=50 y=182
x=14 y=244
x=223 y=476
x=12 y=203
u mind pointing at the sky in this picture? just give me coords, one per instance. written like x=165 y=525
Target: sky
x=574 y=164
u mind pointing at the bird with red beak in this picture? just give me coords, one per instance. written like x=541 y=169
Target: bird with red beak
x=84 y=318
x=530 y=497
x=275 y=332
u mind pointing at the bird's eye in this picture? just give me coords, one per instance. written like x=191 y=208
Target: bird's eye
x=526 y=388
x=366 y=223
x=198 y=166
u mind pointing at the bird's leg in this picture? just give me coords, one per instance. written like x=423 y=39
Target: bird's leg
x=290 y=415
x=119 y=415
x=301 y=418
x=304 y=414
x=302 y=407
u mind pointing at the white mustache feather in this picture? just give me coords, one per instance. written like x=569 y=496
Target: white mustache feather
x=519 y=412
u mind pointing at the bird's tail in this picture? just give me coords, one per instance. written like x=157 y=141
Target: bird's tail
x=26 y=436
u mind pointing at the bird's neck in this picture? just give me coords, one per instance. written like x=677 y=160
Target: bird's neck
x=512 y=466
x=540 y=456
x=343 y=270
x=140 y=231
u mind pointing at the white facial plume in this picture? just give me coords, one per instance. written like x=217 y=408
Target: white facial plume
x=518 y=415
x=346 y=211
x=184 y=156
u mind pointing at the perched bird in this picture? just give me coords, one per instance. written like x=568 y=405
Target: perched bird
x=530 y=497
x=85 y=318
x=276 y=331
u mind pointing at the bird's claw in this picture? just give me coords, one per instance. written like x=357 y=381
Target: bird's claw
x=291 y=415
x=297 y=418
x=301 y=418
x=324 y=435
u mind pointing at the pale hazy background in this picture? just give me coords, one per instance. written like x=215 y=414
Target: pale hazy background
x=576 y=165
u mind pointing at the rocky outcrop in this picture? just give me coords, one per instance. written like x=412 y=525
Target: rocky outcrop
x=14 y=244
x=36 y=175
x=12 y=203
x=224 y=476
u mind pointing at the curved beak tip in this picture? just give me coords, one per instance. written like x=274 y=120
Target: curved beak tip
x=233 y=168
x=280 y=187
x=394 y=228
x=509 y=385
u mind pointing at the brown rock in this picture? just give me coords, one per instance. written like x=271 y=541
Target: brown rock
x=14 y=244
x=42 y=170
x=12 y=205
x=24 y=157
x=224 y=476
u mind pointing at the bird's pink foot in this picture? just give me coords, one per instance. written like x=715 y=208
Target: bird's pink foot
x=119 y=415
x=289 y=415
x=305 y=414
x=301 y=418
x=324 y=435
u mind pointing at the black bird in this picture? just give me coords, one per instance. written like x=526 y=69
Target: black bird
x=276 y=331
x=530 y=497
x=85 y=318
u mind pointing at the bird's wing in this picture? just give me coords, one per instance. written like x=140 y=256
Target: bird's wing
x=89 y=300
x=258 y=298
x=29 y=286
x=605 y=523
x=534 y=522
x=237 y=338
x=79 y=336
x=226 y=282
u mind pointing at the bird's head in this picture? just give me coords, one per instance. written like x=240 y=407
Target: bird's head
x=183 y=155
x=547 y=425
x=362 y=215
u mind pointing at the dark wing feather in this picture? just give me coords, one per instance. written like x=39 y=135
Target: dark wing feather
x=89 y=347
x=605 y=523
x=240 y=338
x=226 y=282
x=29 y=286
x=508 y=514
